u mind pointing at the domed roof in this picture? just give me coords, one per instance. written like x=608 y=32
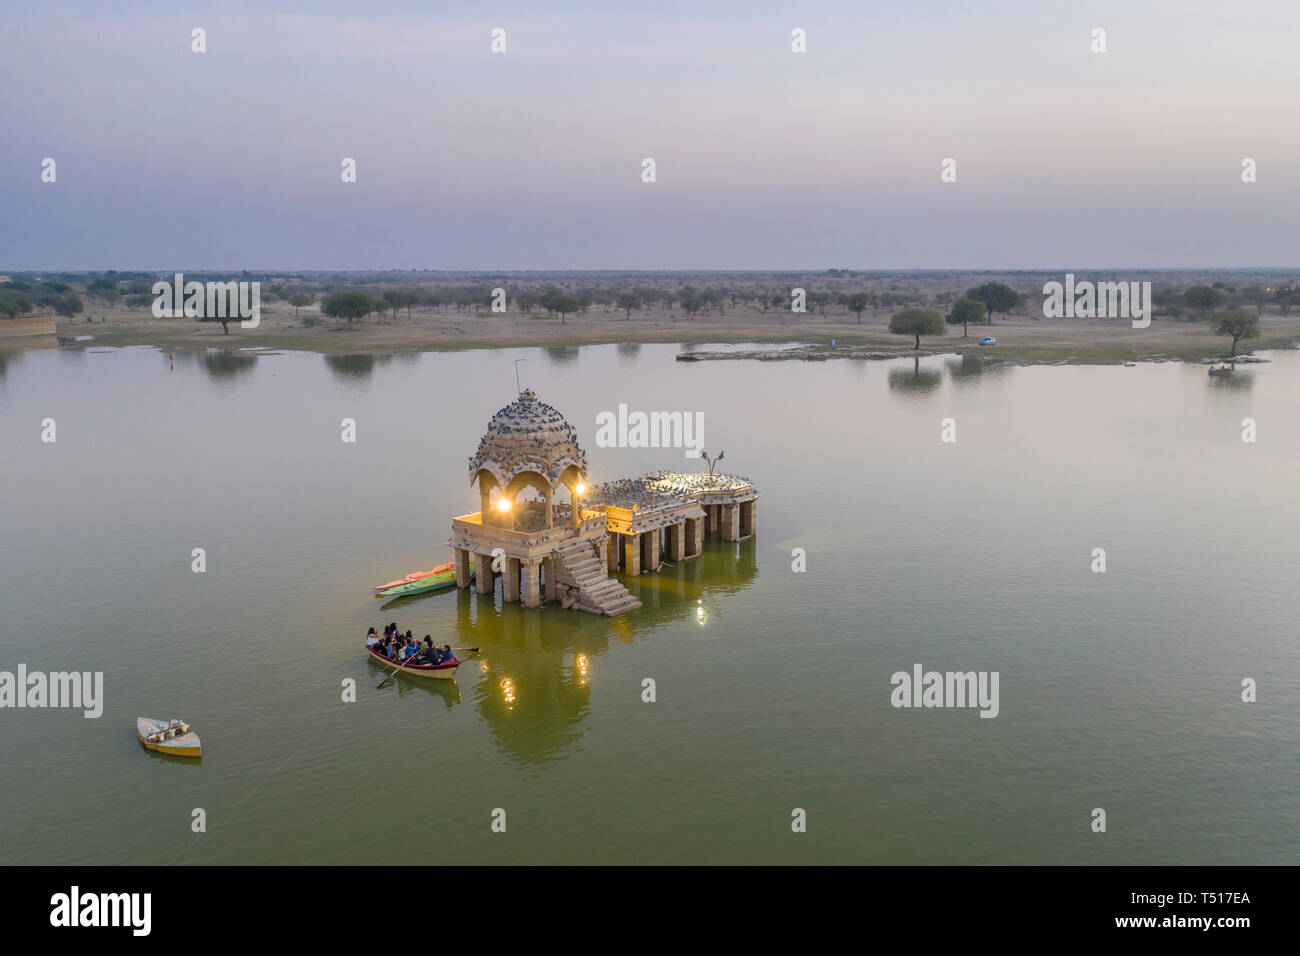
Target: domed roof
x=527 y=435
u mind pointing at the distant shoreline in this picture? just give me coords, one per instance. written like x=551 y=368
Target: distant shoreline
x=1020 y=338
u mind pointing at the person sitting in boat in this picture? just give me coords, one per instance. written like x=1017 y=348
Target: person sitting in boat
x=371 y=638
x=446 y=652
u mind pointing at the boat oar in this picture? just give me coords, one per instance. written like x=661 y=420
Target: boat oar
x=394 y=673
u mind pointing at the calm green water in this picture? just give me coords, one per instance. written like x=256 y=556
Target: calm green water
x=1118 y=690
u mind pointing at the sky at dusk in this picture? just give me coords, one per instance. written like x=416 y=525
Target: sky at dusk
x=765 y=158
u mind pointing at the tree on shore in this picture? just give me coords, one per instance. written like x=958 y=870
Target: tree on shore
x=14 y=302
x=558 y=303
x=996 y=298
x=627 y=301
x=857 y=303
x=1205 y=298
x=68 y=306
x=917 y=322
x=1238 y=323
x=225 y=305
x=298 y=300
x=103 y=288
x=1257 y=295
x=1285 y=297
x=692 y=302
x=965 y=311
x=401 y=298
x=346 y=305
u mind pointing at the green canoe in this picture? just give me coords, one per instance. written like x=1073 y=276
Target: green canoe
x=436 y=583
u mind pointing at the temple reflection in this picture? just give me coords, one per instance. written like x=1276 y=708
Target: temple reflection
x=533 y=676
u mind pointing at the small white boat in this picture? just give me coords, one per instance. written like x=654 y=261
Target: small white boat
x=168 y=736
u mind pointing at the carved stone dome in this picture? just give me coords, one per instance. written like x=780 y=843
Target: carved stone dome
x=528 y=437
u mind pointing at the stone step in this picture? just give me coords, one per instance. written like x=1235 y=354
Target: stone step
x=607 y=596
x=631 y=604
x=597 y=591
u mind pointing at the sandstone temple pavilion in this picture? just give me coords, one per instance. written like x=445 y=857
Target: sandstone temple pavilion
x=561 y=540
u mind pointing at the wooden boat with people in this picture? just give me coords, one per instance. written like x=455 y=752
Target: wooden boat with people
x=1221 y=370
x=168 y=737
x=445 y=671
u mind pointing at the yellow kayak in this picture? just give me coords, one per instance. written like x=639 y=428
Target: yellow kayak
x=168 y=737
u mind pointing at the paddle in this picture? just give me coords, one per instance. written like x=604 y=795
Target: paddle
x=394 y=673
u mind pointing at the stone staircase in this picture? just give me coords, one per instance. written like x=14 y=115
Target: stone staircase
x=580 y=567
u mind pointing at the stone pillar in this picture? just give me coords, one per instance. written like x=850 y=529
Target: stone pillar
x=710 y=519
x=510 y=579
x=552 y=587
x=656 y=547
x=750 y=526
x=677 y=541
x=696 y=546
x=632 y=554
x=484 y=582
x=731 y=522
x=550 y=512
x=532 y=583
x=485 y=503
x=462 y=568
x=611 y=552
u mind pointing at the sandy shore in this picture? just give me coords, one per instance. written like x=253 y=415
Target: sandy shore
x=1019 y=337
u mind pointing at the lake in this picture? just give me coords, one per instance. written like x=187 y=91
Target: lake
x=1119 y=690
